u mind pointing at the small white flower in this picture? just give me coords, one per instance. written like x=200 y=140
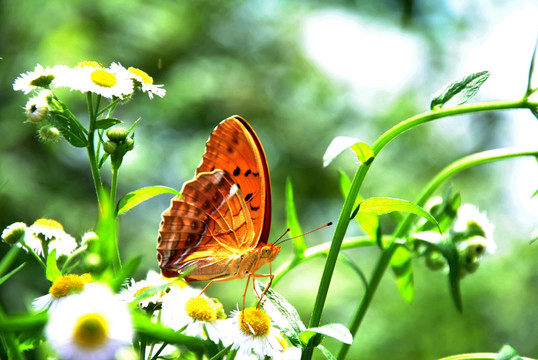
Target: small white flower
x=31 y=80
x=141 y=78
x=470 y=217
x=91 y=325
x=251 y=332
x=186 y=308
x=153 y=279
x=62 y=287
x=13 y=233
x=52 y=234
x=94 y=78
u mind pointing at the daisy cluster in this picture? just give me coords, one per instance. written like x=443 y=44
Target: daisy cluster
x=52 y=116
x=468 y=229
x=250 y=332
x=115 y=81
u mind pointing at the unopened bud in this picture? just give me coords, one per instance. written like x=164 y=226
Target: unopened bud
x=117 y=134
x=14 y=232
x=49 y=133
x=110 y=147
x=129 y=144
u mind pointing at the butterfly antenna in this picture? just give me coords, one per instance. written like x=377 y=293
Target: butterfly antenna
x=280 y=241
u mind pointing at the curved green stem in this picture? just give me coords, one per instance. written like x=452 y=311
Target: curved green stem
x=449 y=171
x=344 y=218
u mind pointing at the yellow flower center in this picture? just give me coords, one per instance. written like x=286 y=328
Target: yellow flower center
x=145 y=77
x=49 y=224
x=91 y=331
x=201 y=309
x=69 y=284
x=103 y=78
x=254 y=322
x=86 y=63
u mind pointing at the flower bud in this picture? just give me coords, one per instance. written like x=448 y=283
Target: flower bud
x=117 y=134
x=435 y=260
x=14 y=232
x=129 y=144
x=110 y=147
x=37 y=109
x=49 y=133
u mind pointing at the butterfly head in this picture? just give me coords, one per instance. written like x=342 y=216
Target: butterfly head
x=268 y=252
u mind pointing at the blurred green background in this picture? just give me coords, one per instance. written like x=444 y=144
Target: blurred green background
x=301 y=72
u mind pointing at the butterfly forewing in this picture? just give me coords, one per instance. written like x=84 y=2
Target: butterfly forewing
x=224 y=211
x=234 y=147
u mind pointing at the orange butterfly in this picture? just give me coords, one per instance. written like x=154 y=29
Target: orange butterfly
x=221 y=224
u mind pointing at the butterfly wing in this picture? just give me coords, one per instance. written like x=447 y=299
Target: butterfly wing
x=224 y=211
x=235 y=148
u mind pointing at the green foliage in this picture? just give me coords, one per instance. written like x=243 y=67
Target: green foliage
x=459 y=91
x=136 y=197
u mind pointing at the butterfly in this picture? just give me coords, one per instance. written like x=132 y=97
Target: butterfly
x=220 y=223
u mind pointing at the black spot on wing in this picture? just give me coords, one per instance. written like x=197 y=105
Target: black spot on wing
x=248 y=172
x=248 y=197
x=237 y=171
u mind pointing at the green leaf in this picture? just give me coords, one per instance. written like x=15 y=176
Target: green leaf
x=459 y=91
x=106 y=123
x=364 y=152
x=531 y=71
x=335 y=330
x=71 y=131
x=293 y=222
x=447 y=248
x=134 y=198
x=369 y=223
x=535 y=193
x=328 y=355
x=508 y=353
x=6 y=277
x=52 y=271
x=403 y=270
x=283 y=314
x=380 y=206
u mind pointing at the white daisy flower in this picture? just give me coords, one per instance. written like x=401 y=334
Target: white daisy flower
x=31 y=80
x=142 y=79
x=91 y=76
x=61 y=287
x=13 y=233
x=153 y=279
x=469 y=218
x=187 y=308
x=251 y=332
x=52 y=234
x=91 y=325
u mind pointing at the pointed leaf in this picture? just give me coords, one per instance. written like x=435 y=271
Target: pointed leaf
x=335 y=330
x=106 y=123
x=447 y=248
x=403 y=270
x=459 y=91
x=368 y=222
x=52 y=271
x=71 y=131
x=134 y=198
x=508 y=353
x=381 y=206
x=7 y=276
x=364 y=152
x=293 y=222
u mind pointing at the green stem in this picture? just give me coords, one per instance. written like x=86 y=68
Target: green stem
x=344 y=218
x=91 y=152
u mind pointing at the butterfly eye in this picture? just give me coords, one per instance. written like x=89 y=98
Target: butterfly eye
x=266 y=251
